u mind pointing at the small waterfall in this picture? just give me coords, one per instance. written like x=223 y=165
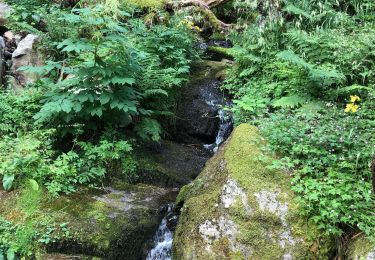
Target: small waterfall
x=225 y=116
x=225 y=128
x=163 y=240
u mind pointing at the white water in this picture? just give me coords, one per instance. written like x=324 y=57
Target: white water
x=224 y=129
x=163 y=242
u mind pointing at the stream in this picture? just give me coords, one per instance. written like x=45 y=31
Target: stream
x=163 y=239
x=210 y=93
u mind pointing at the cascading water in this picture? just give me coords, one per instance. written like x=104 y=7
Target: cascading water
x=226 y=120
x=225 y=128
x=210 y=94
x=164 y=236
x=163 y=240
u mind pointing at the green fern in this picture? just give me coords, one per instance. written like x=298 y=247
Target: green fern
x=318 y=77
x=149 y=129
x=356 y=88
x=294 y=59
x=292 y=101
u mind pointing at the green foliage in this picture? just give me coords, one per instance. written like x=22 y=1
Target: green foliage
x=293 y=79
x=88 y=167
x=290 y=101
x=113 y=73
x=30 y=157
x=337 y=203
x=23 y=157
x=16 y=111
x=107 y=70
x=20 y=240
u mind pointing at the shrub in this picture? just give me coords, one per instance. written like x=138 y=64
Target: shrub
x=306 y=81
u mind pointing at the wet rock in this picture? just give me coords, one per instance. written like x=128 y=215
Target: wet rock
x=172 y=220
x=361 y=248
x=197 y=118
x=11 y=41
x=197 y=115
x=2 y=60
x=114 y=223
x=26 y=54
x=238 y=208
x=220 y=43
x=173 y=165
x=67 y=257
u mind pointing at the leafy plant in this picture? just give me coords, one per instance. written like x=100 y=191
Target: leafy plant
x=293 y=78
x=110 y=75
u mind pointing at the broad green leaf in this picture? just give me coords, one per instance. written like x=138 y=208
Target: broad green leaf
x=34 y=185
x=104 y=98
x=8 y=182
x=123 y=81
x=11 y=255
x=66 y=106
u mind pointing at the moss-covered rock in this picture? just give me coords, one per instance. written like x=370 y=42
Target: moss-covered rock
x=68 y=257
x=240 y=209
x=219 y=53
x=361 y=249
x=114 y=223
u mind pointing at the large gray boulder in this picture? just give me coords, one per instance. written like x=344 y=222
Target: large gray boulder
x=4 y=12
x=238 y=208
x=26 y=54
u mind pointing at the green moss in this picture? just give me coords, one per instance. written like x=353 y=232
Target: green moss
x=154 y=4
x=360 y=247
x=218 y=36
x=244 y=159
x=186 y=190
x=96 y=228
x=224 y=53
x=207 y=69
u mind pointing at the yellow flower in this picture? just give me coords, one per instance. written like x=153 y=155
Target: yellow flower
x=354 y=98
x=198 y=29
x=351 y=108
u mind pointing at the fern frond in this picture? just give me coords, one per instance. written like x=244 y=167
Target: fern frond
x=325 y=77
x=149 y=129
x=154 y=92
x=290 y=101
x=294 y=10
x=294 y=59
x=355 y=88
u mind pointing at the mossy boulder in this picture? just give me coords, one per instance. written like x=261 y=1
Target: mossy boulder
x=238 y=208
x=116 y=222
x=68 y=257
x=219 y=53
x=361 y=249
